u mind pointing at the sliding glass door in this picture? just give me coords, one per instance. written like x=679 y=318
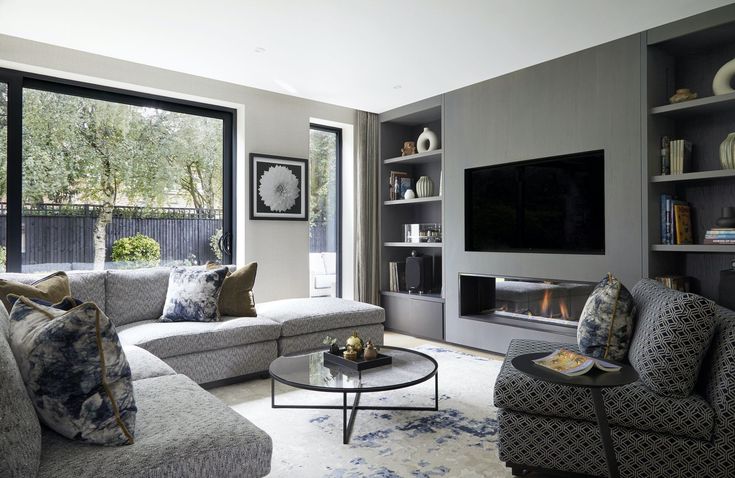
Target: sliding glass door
x=3 y=170
x=112 y=179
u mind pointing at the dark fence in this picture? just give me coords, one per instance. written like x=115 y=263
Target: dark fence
x=63 y=234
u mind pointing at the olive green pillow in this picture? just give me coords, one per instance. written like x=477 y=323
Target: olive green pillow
x=52 y=288
x=236 y=297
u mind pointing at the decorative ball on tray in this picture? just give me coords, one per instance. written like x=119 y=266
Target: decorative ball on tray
x=370 y=352
x=355 y=342
x=350 y=353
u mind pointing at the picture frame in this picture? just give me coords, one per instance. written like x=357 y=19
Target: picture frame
x=279 y=188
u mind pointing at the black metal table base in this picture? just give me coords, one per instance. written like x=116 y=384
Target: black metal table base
x=348 y=423
x=607 y=444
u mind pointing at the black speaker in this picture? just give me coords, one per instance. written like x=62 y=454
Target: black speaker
x=419 y=273
x=727 y=288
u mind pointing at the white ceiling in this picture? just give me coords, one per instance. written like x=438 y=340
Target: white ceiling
x=372 y=54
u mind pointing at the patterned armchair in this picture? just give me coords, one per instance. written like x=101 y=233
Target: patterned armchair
x=553 y=427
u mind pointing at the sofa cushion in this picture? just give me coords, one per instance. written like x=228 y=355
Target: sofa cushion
x=136 y=294
x=52 y=288
x=75 y=371
x=672 y=336
x=20 y=431
x=182 y=430
x=167 y=339
x=236 y=298
x=606 y=324
x=192 y=294
x=89 y=286
x=305 y=316
x=633 y=406
x=144 y=364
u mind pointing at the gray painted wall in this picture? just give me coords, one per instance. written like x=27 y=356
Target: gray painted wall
x=585 y=101
x=268 y=123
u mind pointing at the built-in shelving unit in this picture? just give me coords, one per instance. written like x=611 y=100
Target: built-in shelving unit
x=678 y=56
x=420 y=315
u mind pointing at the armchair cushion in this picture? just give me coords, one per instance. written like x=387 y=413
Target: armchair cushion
x=673 y=332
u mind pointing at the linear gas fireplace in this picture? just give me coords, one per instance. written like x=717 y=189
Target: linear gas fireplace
x=524 y=302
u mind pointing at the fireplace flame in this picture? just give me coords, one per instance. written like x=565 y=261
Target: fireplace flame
x=545 y=302
x=564 y=309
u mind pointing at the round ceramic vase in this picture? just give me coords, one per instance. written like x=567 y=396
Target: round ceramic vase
x=727 y=152
x=722 y=82
x=424 y=187
x=427 y=141
x=409 y=194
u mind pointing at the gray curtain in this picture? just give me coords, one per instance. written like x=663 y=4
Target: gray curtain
x=367 y=175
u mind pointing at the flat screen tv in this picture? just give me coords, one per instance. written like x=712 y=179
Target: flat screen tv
x=553 y=204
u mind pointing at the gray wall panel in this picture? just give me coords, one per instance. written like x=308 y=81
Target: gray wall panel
x=586 y=101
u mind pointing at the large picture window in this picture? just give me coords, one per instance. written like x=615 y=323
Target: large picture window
x=325 y=252
x=112 y=179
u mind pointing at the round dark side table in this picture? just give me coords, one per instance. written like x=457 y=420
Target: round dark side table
x=594 y=381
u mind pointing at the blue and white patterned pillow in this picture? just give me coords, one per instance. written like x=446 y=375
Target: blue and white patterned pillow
x=193 y=294
x=606 y=325
x=74 y=370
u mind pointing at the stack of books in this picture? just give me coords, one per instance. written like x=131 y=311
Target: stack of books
x=397 y=276
x=676 y=221
x=680 y=283
x=720 y=235
x=680 y=152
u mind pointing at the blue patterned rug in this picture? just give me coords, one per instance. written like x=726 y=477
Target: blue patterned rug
x=457 y=441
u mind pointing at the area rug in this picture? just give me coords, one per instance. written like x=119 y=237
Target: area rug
x=458 y=441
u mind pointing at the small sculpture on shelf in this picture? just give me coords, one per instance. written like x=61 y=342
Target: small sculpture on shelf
x=722 y=82
x=355 y=342
x=332 y=342
x=371 y=351
x=683 y=94
x=409 y=148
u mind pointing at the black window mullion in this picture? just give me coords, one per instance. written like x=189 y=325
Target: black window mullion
x=14 y=217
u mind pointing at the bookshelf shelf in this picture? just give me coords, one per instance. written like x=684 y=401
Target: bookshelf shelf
x=413 y=244
x=397 y=202
x=696 y=176
x=707 y=105
x=727 y=249
x=418 y=158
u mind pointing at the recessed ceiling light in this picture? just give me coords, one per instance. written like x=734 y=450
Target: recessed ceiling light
x=259 y=49
x=397 y=87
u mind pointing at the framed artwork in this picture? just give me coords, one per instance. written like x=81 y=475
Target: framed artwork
x=279 y=188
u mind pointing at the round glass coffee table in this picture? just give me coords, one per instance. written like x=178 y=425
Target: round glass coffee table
x=309 y=372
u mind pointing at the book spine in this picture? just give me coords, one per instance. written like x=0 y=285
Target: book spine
x=668 y=220
x=719 y=241
x=663 y=218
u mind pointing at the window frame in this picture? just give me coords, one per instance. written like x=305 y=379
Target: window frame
x=338 y=207
x=18 y=80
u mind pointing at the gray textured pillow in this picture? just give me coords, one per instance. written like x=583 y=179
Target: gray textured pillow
x=672 y=337
x=606 y=324
x=193 y=294
x=75 y=371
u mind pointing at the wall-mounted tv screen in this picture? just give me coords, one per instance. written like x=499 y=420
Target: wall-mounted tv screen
x=553 y=204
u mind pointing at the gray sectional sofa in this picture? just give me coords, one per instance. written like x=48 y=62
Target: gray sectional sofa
x=181 y=430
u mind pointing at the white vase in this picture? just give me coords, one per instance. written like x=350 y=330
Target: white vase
x=428 y=141
x=727 y=152
x=424 y=187
x=722 y=82
x=409 y=194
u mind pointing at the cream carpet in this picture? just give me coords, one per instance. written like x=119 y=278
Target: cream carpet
x=457 y=441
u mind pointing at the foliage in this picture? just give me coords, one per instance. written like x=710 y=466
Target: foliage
x=214 y=243
x=322 y=177
x=109 y=154
x=138 y=250
x=3 y=258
